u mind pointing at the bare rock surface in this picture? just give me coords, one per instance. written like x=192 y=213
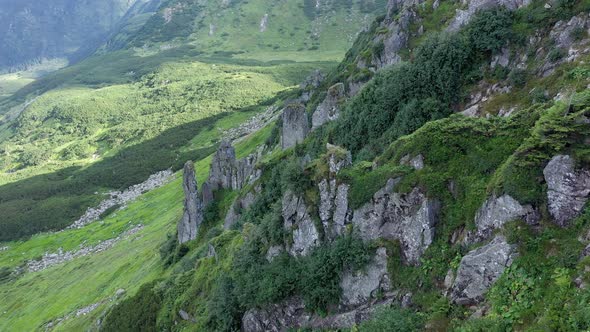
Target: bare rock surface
x=567 y=189
x=416 y=163
x=359 y=287
x=291 y=314
x=192 y=217
x=235 y=211
x=295 y=125
x=480 y=269
x=334 y=211
x=229 y=173
x=329 y=109
x=298 y=221
x=409 y=218
x=494 y=213
x=462 y=17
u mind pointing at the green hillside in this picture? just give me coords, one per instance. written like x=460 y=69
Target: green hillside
x=436 y=178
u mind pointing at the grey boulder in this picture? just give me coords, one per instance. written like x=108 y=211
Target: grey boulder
x=567 y=189
x=480 y=269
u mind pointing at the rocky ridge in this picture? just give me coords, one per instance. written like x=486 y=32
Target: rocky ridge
x=192 y=218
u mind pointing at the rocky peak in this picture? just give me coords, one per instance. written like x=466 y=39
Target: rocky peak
x=567 y=189
x=295 y=125
x=329 y=109
x=222 y=167
x=228 y=173
x=192 y=218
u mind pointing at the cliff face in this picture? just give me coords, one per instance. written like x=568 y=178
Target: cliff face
x=34 y=30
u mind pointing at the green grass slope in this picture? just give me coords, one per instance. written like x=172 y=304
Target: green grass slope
x=34 y=299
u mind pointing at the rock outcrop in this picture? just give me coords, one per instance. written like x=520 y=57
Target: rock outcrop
x=329 y=110
x=567 y=189
x=295 y=125
x=416 y=163
x=334 y=210
x=563 y=33
x=480 y=269
x=228 y=173
x=494 y=213
x=359 y=287
x=273 y=252
x=192 y=218
x=236 y=209
x=291 y=314
x=298 y=221
x=462 y=17
x=311 y=83
x=276 y=317
x=409 y=218
x=223 y=165
x=207 y=194
x=400 y=15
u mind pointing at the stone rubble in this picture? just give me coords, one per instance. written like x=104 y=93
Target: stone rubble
x=252 y=125
x=83 y=311
x=118 y=198
x=52 y=259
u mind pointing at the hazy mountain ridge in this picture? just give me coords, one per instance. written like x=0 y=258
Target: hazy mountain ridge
x=34 y=30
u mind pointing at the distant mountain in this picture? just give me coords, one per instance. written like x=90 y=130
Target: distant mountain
x=238 y=26
x=32 y=30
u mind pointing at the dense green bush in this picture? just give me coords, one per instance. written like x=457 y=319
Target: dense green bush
x=400 y=99
x=436 y=73
x=556 y=54
x=393 y=320
x=254 y=282
x=137 y=313
x=518 y=77
x=491 y=29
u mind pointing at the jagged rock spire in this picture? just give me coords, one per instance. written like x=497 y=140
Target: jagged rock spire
x=192 y=218
x=295 y=125
x=229 y=173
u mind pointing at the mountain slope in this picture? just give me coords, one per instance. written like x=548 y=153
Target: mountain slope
x=437 y=179
x=94 y=111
